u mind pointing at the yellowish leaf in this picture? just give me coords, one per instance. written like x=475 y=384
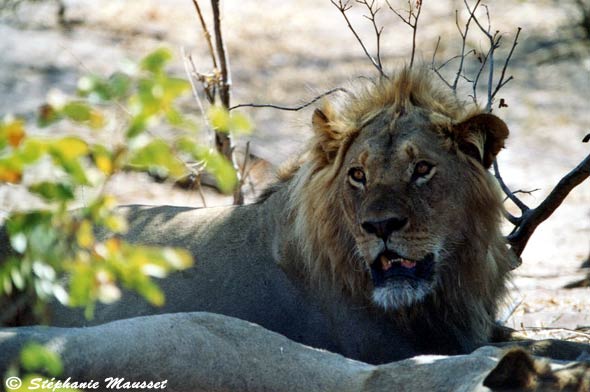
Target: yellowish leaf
x=84 y=235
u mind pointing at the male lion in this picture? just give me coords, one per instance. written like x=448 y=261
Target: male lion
x=382 y=242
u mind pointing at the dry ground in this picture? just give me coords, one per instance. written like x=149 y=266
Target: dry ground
x=286 y=52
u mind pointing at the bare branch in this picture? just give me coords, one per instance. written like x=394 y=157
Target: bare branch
x=511 y=218
x=225 y=82
x=206 y=33
x=290 y=108
x=415 y=30
x=463 y=34
x=222 y=140
x=472 y=13
x=526 y=192
x=502 y=82
x=187 y=59
x=437 y=69
x=343 y=7
x=523 y=207
x=373 y=10
x=483 y=61
x=243 y=172
x=412 y=21
x=532 y=218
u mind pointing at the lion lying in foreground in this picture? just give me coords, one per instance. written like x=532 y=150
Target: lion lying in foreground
x=208 y=352
x=381 y=243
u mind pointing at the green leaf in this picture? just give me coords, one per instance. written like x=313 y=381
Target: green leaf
x=65 y=153
x=215 y=164
x=240 y=123
x=77 y=111
x=119 y=85
x=35 y=357
x=51 y=191
x=32 y=150
x=17 y=278
x=85 y=234
x=177 y=258
x=151 y=292
x=174 y=87
x=158 y=155
x=70 y=147
x=137 y=126
x=155 y=61
x=47 y=116
x=219 y=118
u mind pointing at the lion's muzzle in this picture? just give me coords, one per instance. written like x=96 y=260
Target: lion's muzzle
x=389 y=266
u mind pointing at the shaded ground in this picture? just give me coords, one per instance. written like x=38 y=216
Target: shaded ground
x=287 y=52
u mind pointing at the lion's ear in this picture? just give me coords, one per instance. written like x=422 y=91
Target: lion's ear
x=481 y=137
x=327 y=136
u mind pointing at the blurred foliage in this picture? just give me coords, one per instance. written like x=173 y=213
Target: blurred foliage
x=54 y=241
x=39 y=364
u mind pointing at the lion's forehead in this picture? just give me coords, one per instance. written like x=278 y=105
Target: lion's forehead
x=386 y=144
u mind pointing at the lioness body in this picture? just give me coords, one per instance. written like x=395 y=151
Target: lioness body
x=380 y=243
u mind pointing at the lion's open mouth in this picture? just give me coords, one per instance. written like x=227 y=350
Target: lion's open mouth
x=390 y=265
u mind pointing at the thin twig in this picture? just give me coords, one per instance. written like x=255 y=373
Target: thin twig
x=568 y=330
x=244 y=166
x=437 y=69
x=502 y=82
x=463 y=34
x=378 y=30
x=200 y=190
x=527 y=192
x=343 y=7
x=523 y=207
x=187 y=59
x=206 y=33
x=483 y=60
x=290 y=108
x=412 y=21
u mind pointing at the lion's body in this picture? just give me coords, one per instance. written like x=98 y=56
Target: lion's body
x=396 y=178
x=236 y=274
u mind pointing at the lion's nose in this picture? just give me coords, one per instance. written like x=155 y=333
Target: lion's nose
x=384 y=228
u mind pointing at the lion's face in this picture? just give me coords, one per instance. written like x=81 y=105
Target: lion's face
x=399 y=190
x=407 y=188
x=396 y=181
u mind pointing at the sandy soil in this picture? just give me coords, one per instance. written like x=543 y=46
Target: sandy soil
x=287 y=52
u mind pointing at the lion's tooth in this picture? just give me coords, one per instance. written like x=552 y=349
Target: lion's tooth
x=385 y=263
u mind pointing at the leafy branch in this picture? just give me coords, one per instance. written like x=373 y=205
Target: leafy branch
x=54 y=240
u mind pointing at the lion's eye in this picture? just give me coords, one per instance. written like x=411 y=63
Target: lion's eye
x=423 y=170
x=357 y=174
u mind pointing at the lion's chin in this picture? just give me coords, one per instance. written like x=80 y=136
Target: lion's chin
x=397 y=294
x=399 y=281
